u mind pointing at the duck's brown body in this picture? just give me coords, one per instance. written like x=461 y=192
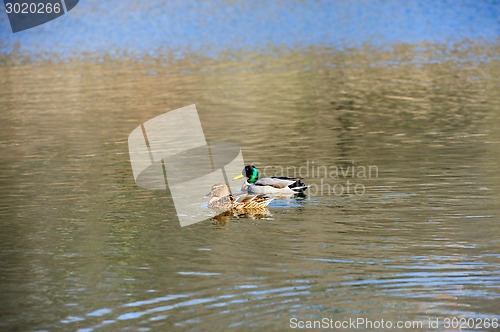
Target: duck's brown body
x=221 y=201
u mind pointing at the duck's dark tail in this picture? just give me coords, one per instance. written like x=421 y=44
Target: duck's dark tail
x=298 y=186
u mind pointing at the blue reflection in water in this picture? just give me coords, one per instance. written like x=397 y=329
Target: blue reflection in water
x=141 y=28
x=225 y=300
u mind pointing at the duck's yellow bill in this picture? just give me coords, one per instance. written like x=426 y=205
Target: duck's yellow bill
x=238 y=177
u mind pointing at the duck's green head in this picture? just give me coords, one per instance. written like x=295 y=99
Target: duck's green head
x=250 y=172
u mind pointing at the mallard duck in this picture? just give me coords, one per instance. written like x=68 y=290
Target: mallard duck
x=221 y=201
x=275 y=186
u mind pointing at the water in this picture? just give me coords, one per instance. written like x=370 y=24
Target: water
x=177 y=27
x=83 y=248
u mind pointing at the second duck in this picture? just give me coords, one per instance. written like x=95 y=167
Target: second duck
x=275 y=186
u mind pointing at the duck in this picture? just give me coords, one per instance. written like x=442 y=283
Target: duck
x=222 y=201
x=275 y=186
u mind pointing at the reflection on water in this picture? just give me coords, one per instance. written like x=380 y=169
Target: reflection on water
x=82 y=247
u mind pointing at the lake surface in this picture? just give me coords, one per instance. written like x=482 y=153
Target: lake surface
x=84 y=248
